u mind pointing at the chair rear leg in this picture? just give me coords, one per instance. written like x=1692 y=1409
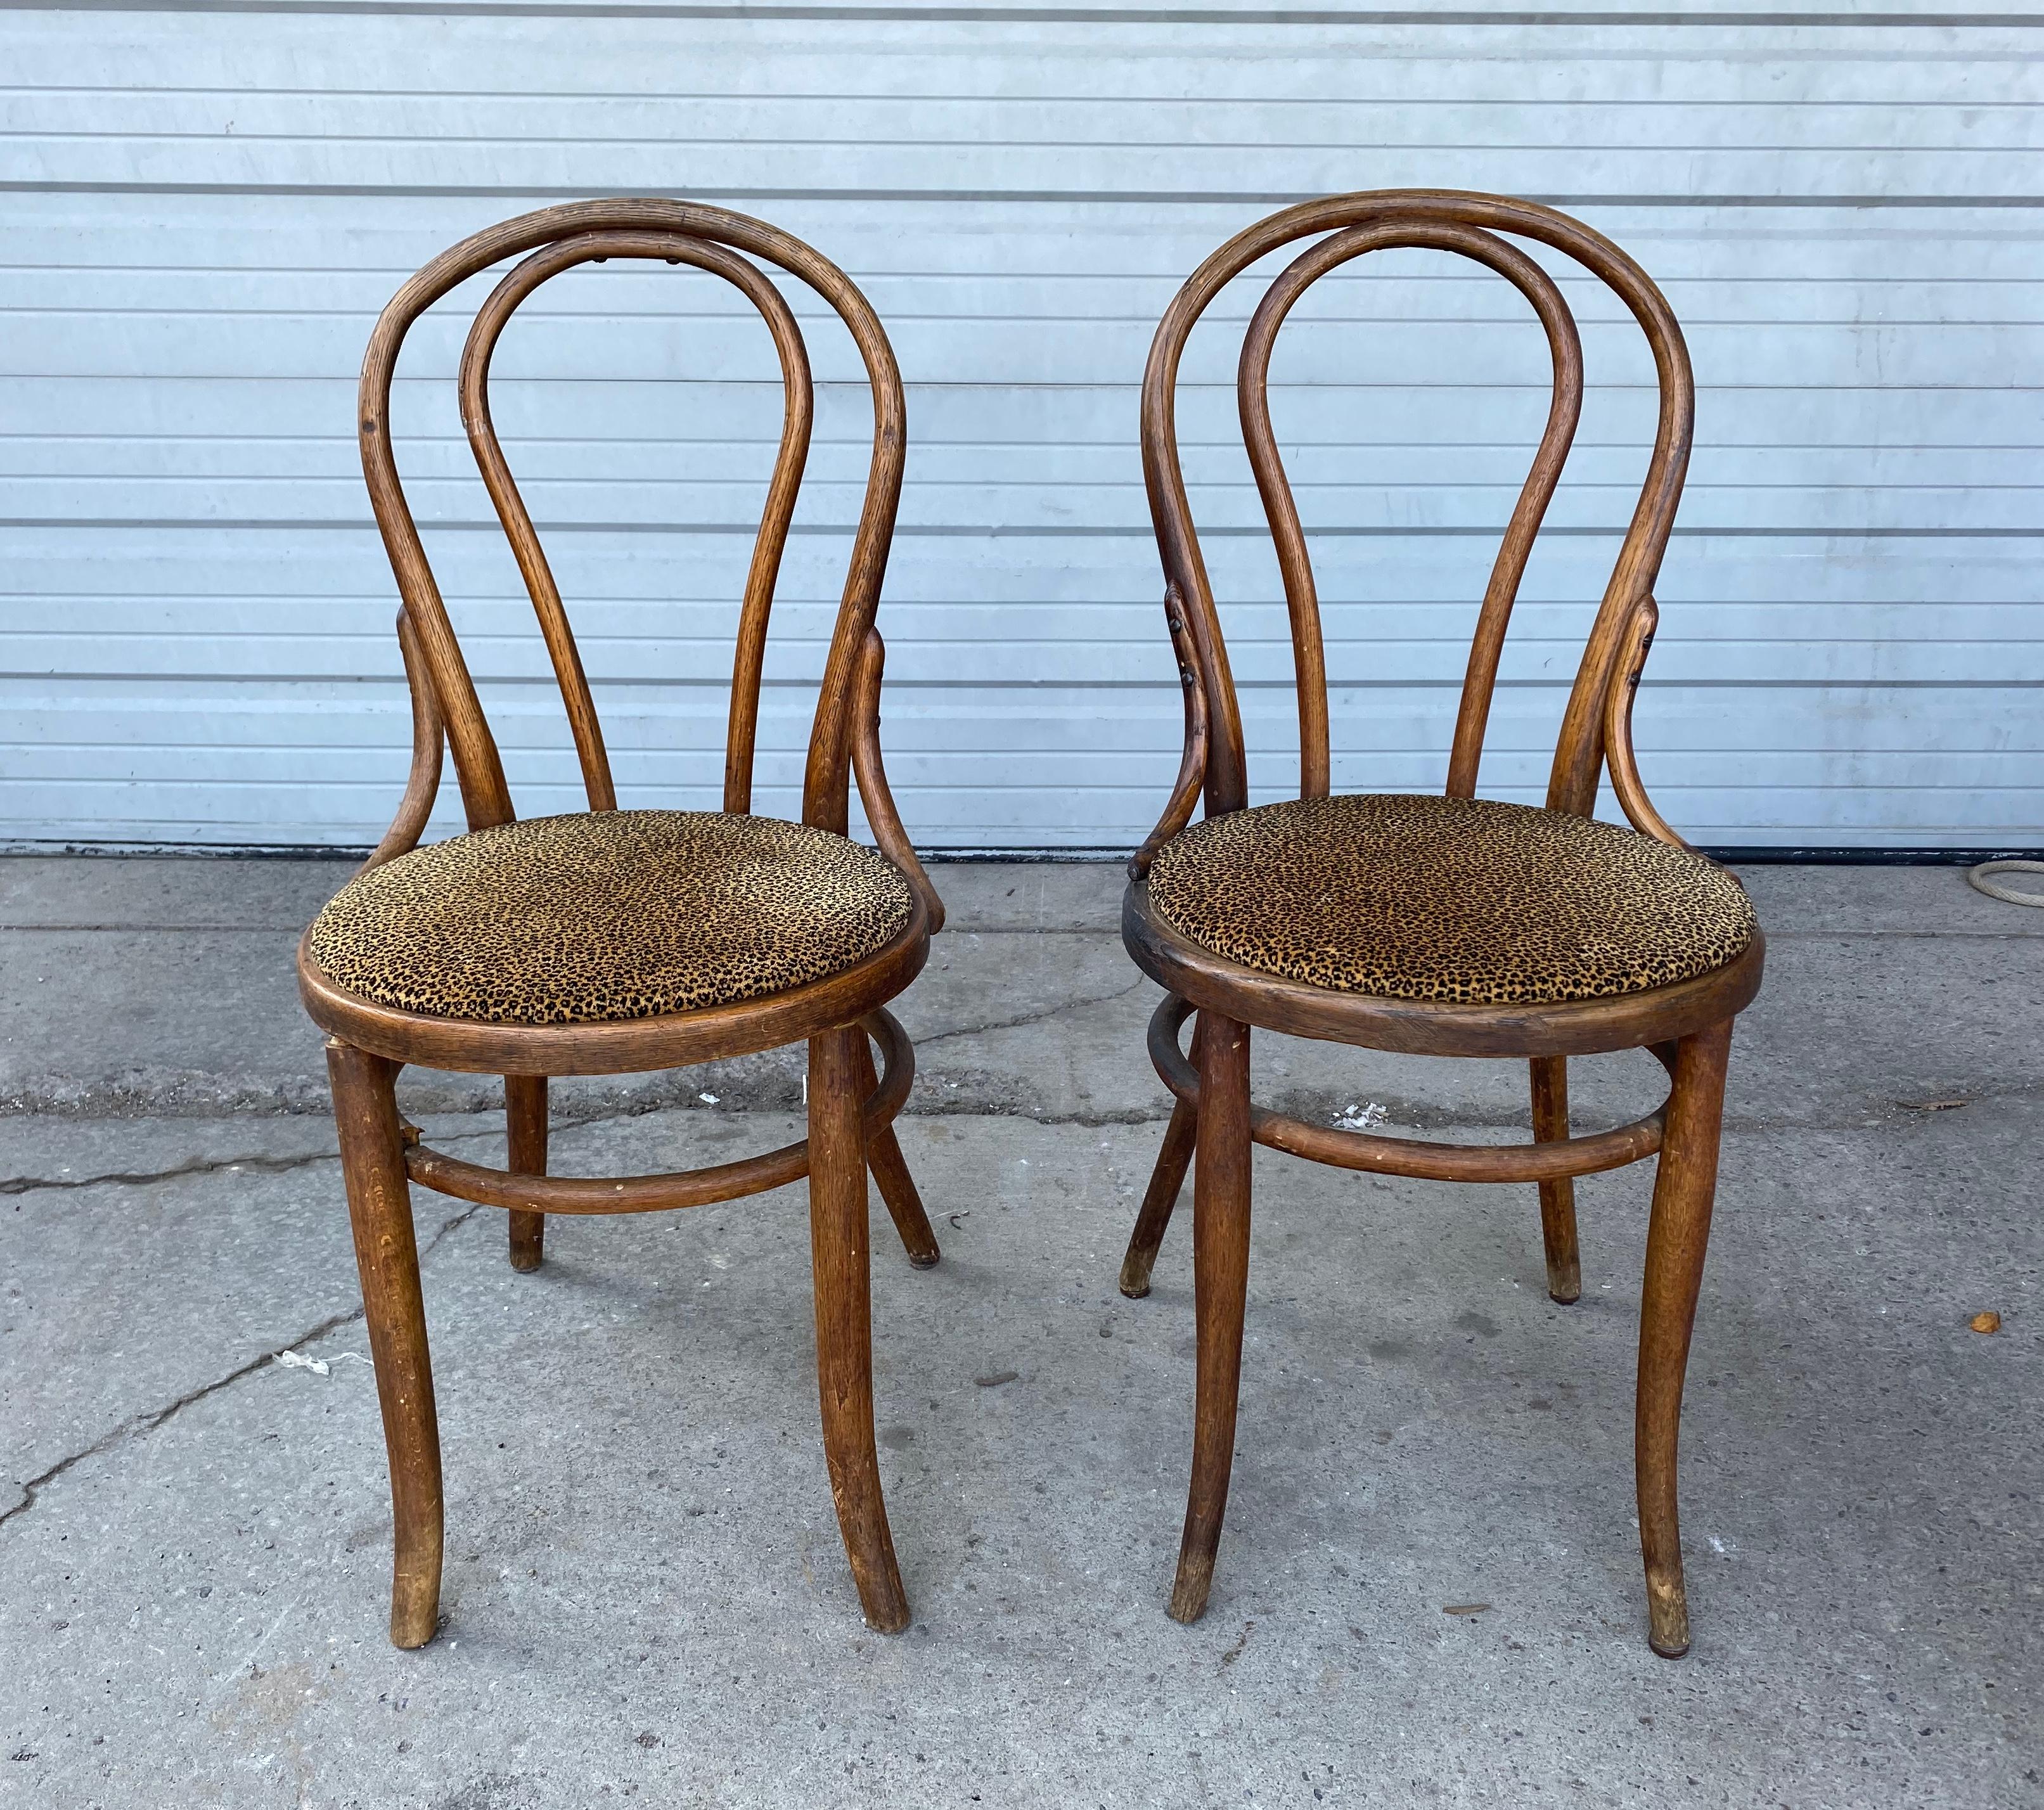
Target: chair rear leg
x=890 y=1172
x=525 y=1121
x=1159 y=1200
x=1558 y=1199
x=1220 y=1272
x=840 y=1253
x=386 y=1253
x=1676 y=1237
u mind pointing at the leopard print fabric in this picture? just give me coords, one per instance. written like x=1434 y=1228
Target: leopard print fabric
x=610 y=915
x=1460 y=900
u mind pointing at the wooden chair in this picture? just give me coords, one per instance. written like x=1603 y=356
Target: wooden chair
x=612 y=942
x=1442 y=926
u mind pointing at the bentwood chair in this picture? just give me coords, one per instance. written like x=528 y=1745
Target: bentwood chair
x=1451 y=926
x=613 y=941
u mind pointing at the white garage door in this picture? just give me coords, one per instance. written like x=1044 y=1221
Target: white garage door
x=205 y=206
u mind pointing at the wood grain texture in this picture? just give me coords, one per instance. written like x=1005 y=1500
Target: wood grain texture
x=851 y=1107
x=1545 y=1161
x=1186 y=789
x=525 y=1137
x=1557 y=1197
x=386 y=1254
x=422 y=784
x=1221 y=1291
x=530 y=1193
x=1687 y=1026
x=839 y=1244
x=1167 y=1180
x=874 y=794
x=552 y=260
x=889 y=1168
x=634 y=1046
x=1677 y=1237
x=1424 y=1028
x=477 y=763
x=1295 y=562
x=1579 y=751
x=1619 y=755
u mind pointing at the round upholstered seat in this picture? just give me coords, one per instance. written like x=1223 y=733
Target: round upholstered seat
x=1462 y=901
x=609 y=915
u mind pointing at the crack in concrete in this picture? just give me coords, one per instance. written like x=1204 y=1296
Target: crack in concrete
x=262 y=1165
x=1043 y=1017
x=142 y=1178
x=139 y=1426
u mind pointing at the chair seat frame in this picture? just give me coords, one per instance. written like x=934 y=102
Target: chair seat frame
x=1686 y=1026
x=851 y=1106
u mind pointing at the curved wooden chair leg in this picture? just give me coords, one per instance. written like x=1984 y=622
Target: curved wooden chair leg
x=1221 y=1271
x=379 y=1205
x=1558 y=1199
x=839 y=1246
x=525 y=1121
x=1159 y=1200
x=890 y=1173
x=1676 y=1237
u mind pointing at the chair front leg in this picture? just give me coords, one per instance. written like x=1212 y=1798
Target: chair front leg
x=1220 y=1286
x=890 y=1173
x=1676 y=1237
x=386 y=1253
x=525 y=1125
x=839 y=1247
x=1558 y=1199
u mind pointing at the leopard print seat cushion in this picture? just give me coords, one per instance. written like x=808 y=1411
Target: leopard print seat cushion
x=608 y=915
x=1460 y=900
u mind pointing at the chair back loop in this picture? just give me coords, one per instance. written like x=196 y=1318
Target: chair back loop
x=1437 y=219
x=710 y=239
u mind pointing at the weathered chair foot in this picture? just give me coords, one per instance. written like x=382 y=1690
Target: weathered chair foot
x=1678 y=1236
x=386 y=1253
x=1220 y=1284
x=840 y=1251
x=1167 y=1180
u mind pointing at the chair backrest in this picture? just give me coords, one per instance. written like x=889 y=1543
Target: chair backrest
x=1435 y=220
x=678 y=232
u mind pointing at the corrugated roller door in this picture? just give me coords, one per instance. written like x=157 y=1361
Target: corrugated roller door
x=206 y=209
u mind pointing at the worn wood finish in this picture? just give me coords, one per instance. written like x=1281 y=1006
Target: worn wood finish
x=633 y=1045
x=1619 y=753
x=550 y=261
x=839 y=1238
x=1167 y=1181
x=477 y=763
x=1191 y=778
x=1557 y=1197
x=1676 y=1237
x=1543 y=1161
x=890 y=1169
x=874 y=794
x=1220 y=1293
x=422 y=784
x=386 y=1253
x=1422 y=1027
x=1295 y=563
x=851 y=1107
x=525 y=1127
x=1687 y=1026
x=1579 y=752
x=532 y=1194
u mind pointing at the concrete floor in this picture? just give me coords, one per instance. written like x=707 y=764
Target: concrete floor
x=646 y=1597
